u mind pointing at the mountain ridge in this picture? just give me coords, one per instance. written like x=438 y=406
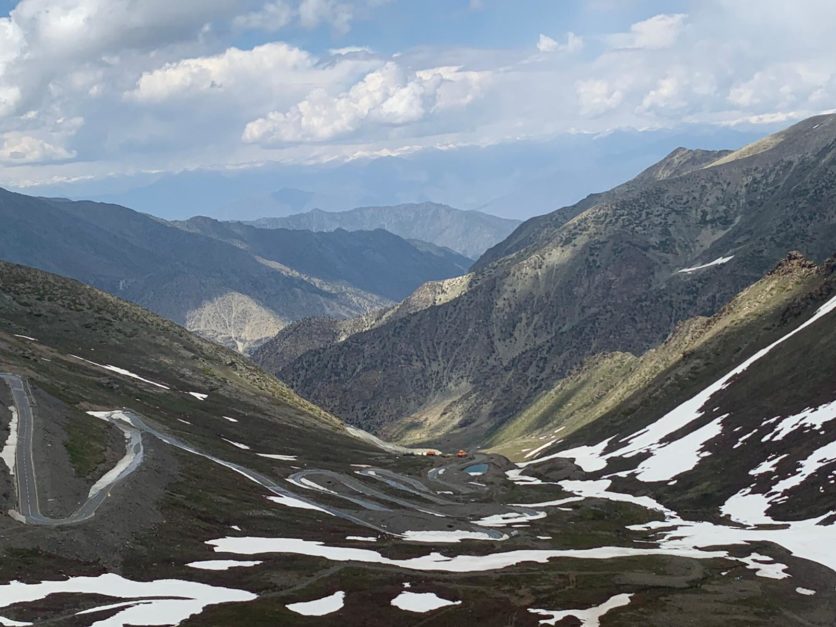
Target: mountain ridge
x=469 y=233
x=232 y=295
x=616 y=272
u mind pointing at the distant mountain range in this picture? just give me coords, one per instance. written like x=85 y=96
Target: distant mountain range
x=235 y=284
x=615 y=273
x=470 y=233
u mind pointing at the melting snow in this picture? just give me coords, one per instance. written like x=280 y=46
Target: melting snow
x=289 y=501
x=284 y=458
x=163 y=602
x=123 y=372
x=319 y=607
x=767 y=466
x=447 y=536
x=436 y=561
x=133 y=450
x=222 y=564
x=670 y=459
x=590 y=617
x=765 y=566
x=810 y=417
x=540 y=448
x=587 y=457
x=421 y=602
x=716 y=262
x=510 y=518
x=10 y=448
x=362 y=538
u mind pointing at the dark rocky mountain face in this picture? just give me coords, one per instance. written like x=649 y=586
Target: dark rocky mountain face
x=374 y=261
x=615 y=273
x=238 y=294
x=469 y=233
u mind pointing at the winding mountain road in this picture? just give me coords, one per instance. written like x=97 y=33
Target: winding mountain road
x=134 y=426
x=26 y=484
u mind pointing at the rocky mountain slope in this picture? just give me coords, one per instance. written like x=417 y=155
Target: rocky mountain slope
x=376 y=261
x=236 y=295
x=610 y=387
x=313 y=333
x=233 y=501
x=469 y=233
x=615 y=273
x=223 y=498
x=733 y=418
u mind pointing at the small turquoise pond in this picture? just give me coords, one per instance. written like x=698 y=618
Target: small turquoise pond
x=477 y=469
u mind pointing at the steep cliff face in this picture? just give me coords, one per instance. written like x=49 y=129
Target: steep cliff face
x=615 y=273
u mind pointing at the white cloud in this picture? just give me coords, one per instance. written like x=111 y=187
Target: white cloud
x=169 y=85
x=232 y=69
x=667 y=94
x=16 y=148
x=546 y=44
x=387 y=96
x=573 y=44
x=656 y=33
x=597 y=96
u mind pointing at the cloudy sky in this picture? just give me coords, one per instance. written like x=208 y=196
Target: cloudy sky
x=96 y=88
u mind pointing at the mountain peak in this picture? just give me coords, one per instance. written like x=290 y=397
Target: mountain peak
x=792 y=263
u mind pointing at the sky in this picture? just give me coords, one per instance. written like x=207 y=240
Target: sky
x=92 y=90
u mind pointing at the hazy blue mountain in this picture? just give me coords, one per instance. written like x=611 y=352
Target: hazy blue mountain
x=470 y=233
x=236 y=296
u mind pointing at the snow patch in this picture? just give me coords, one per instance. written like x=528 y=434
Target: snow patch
x=319 y=607
x=540 y=448
x=284 y=458
x=289 y=501
x=133 y=450
x=716 y=262
x=447 y=536
x=510 y=518
x=199 y=396
x=243 y=447
x=421 y=602
x=362 y=538
x=590 y=617
x=222 y=564
x=812 y=418
x=9 y=452
x=765 y=566
x=436 y=561
x=162 y=602
x=767 y=466
x=122 y=371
